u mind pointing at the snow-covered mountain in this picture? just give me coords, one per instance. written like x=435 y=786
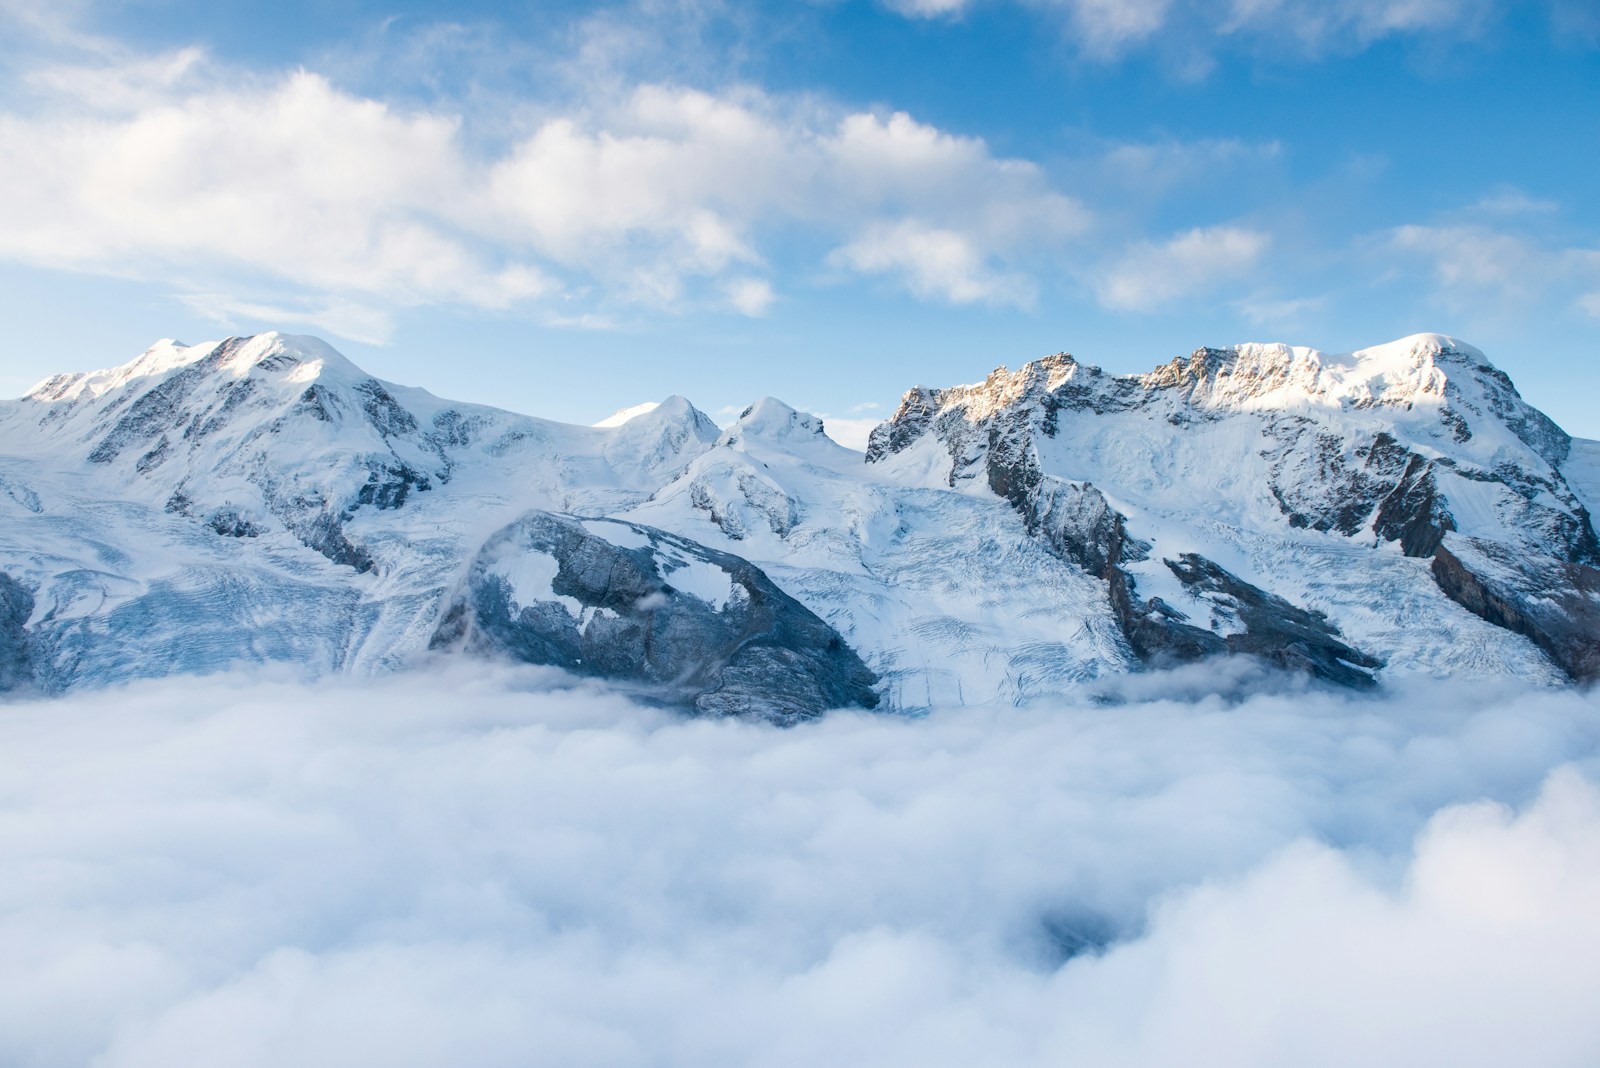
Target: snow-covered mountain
x=1397 y=510
x=1367 y=487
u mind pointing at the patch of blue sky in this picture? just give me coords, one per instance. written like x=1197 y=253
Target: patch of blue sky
x=718 y=200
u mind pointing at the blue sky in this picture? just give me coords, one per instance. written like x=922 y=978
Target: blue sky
x=566 y=208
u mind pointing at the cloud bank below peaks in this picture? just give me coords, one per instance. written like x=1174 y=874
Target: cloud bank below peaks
x=503 y=868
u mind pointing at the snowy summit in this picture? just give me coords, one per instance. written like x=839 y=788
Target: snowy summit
x=1398 y=510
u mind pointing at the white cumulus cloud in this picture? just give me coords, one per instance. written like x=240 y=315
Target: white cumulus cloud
x=236 y=186
x=1194 y=262
x=934 y=263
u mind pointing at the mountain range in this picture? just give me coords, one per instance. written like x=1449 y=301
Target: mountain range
x=1398 y=510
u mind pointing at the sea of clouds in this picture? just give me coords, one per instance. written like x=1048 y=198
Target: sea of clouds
x=487 y=867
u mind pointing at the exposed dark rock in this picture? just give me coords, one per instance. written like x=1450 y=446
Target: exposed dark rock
x=1458 y=426
x=155 y=457
x=1535 y=429
x=1078 y=524
x=1275 y=630
x=1187 y=374
x=451 y=430
x=315 y=402
x=1412 y=513
x=323 y=531
x=159 y=409
x=1322 y=476
x=388 y=485
x=454 y=430
x=614 y=611
x=16 y=605
x=1319 y=486
x=230 y=524
x=383 y=411
x=1157 y=634
x=156 y=411
x=916 y=410
x=1271 y=628
x=236 y=396
x=1556 y=603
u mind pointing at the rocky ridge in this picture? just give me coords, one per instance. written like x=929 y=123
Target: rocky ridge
x=1414 y=446
x=634 y=604
x=1397 y=510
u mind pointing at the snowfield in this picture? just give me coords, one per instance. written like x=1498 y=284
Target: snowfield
x=263 y=500
x=1232 y=721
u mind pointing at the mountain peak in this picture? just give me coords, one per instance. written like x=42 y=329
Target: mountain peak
x=623 y=415
x=297 y=357
x=773 y=420
x=1258 y=374
x=1439 y=385
x=1262 y=499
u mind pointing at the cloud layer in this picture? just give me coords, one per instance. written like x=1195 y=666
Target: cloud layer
x=498 y=868
x=663 y=196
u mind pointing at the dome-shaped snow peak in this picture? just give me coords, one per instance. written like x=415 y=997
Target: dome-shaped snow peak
x=772 y=419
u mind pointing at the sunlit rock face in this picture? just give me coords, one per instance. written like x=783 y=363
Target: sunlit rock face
x=1248 y=499
x=1394 y=511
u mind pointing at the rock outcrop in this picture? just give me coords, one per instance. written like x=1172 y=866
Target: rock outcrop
x=633 y=604
x=1556 y=603
x=16 y=605
x=1393 y=446
x=263 y=500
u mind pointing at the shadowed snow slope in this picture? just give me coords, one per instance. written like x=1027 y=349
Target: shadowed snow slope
x=1398 y=510
x=1221 y=493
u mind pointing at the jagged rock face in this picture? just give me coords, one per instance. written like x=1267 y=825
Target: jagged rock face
x=945 y=596
x=635 y=604
x=1554 y=602
x=300 y=511
x=16 y=605
x=1272 y=629
x=1401 y=445
x=262 y=500
x=1077 y=522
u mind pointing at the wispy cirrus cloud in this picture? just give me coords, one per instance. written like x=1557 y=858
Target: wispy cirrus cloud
x=1112 y=28
x=1198 y=261
x=1334 y=24
x=1486 y=270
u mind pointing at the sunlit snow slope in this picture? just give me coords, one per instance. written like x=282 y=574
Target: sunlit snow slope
x=1395 y=510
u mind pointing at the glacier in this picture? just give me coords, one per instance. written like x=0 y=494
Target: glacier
x=1396 y=511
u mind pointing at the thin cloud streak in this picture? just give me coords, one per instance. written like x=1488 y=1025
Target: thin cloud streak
x=1111 y=29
